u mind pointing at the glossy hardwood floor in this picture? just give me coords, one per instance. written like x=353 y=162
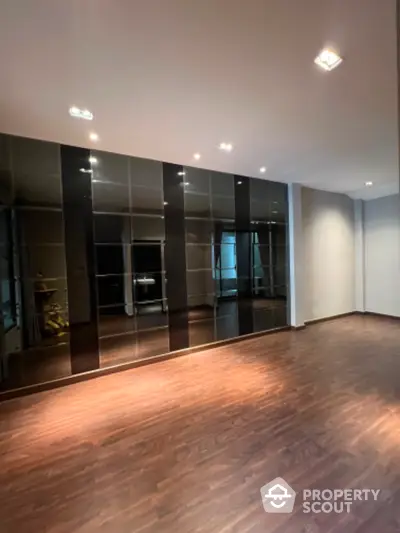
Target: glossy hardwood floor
x=185 y=445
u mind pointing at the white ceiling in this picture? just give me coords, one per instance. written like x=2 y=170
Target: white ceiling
x=167 y=78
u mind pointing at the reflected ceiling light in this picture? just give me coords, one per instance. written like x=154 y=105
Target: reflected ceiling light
x=368 y=183
x=328 y=59
x=226 y=147
x=186 y=183
x=80 y=113
x=274 y=212
x=93 y=160
x=165 y=203
x=197 y=156
x=239 y=183
x=182 y=173
x=93 y=136
x=86 y=170
x=263 y=170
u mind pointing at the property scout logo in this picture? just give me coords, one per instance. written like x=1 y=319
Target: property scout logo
x=278 y=497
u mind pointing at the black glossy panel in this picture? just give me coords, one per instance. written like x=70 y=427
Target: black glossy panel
x=110 y=198
x=110 y=169
x=5 y=170
x=79 y=247
x=198 y=256
x=115 y=321
x=222 y=184
x=197 y=205
x=146 y=201
x=148 y=228
x=201 y=332
x=196 y=180
x=49 y=294
x=112 y=259
x=40 y=226
x=242 y=203
x=200 y=282
x=199 y=231
x=146 y=173
x=37 y=172
x=226 y=286
x=175 y=256
x=112 y=229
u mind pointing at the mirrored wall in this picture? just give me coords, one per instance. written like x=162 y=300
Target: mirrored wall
x=108 y=259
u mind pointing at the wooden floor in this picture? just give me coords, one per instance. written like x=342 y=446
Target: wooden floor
x=185 y=445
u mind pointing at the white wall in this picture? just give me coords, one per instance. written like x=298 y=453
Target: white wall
x=328 y=254
x=382 y=255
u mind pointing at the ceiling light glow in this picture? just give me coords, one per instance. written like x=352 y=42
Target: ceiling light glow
x=80 y=113
x=263 y=170
x=197 y=156
x=94 y=137
x=328 y=59
x=368 y=183
x=226 y=147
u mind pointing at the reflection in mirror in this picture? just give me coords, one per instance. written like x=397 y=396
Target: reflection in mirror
x=36 y=171
x=222 y=185
x=197 y=205
x=201 y=332
x=152 y=343
x=199 y=231
x=198 y=257
x=109 y=168
x=151 y=314
x=201 y=306
x=148 y=228
x=199 y=282
x=147 y=201
x=118 y=349
x=112 y=229
x=223 y=208
x=110 y=198
x=146 y=173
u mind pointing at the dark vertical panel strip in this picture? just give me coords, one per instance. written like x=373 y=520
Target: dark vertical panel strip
x=243 y=254
x=175 y=256
x=79 y=251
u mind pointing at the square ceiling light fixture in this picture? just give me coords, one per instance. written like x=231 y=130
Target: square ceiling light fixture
x=80 y=113
x=328 y=59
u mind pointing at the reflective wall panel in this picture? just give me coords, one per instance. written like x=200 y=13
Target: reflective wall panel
x=107 y=259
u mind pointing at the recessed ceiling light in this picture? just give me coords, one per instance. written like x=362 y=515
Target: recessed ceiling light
x=263 y=170
x=368 y=183
x=80 y=113
x=197 y=156
x=93 y=160
x=328 y=59
x=94 y=137
x=226 y=147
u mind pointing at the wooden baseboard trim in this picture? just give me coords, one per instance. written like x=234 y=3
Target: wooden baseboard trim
x=378 y=315
x=78 y=378
x=327 y=318
x=298 y=328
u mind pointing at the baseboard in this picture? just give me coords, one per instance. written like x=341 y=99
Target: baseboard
x=78 y=378
x=378 y=315
x=298 y=328
x=327 y=318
